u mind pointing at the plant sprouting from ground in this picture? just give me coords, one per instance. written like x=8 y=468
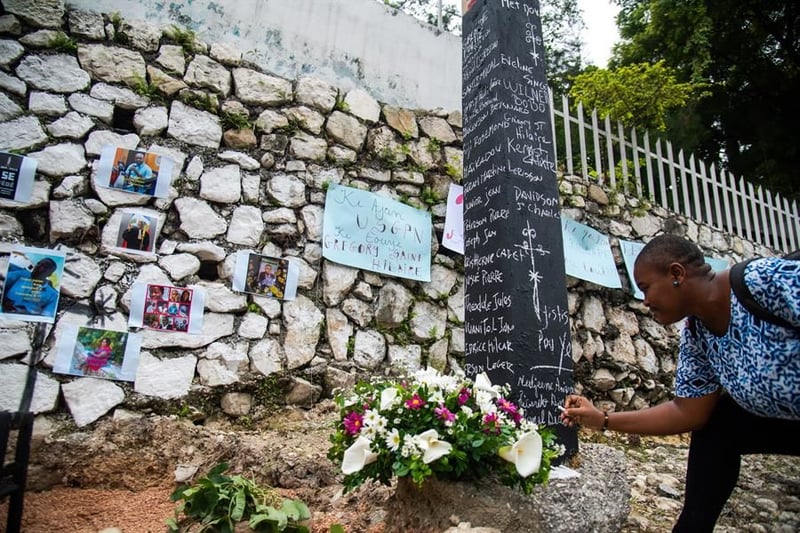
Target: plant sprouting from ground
x=142 y=88
x=218 y=502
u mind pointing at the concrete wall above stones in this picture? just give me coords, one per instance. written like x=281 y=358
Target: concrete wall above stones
x=348 y=43
x=262 y=187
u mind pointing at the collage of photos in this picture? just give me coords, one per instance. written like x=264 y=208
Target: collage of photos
x=32 y=284
x=98 y=353
x=167 y=308
x=265 y=276
x=135 y=171
x=137 y=233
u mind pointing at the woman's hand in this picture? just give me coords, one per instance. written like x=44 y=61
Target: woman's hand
x=579 y=410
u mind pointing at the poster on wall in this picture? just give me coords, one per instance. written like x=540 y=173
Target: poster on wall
x=16 y=177
x=167 y=308
x=365 y=230
x=453 y=236
x=137 y=232
x=265 y=276
x=99 y=353
x=630 y=251
x=587 y=254
x=135 y=171
x=32 y=284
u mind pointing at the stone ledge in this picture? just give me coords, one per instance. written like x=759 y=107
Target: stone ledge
x=597 y=501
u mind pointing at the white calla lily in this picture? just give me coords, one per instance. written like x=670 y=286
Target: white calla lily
x=358 y=455
x=483 y=384
x=526 y=453
x=432 y=448
x=388 y=398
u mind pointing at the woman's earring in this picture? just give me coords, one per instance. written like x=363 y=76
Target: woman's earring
x=675 y=282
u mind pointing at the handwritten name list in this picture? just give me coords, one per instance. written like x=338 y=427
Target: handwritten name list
x=517 y=324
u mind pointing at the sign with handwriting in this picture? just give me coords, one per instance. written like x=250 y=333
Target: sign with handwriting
x=587 y=254
x=453 y=236
x=630 y=251
x=365 y=230
x=516 y=315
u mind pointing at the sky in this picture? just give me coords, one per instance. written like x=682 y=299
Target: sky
x=601 y=31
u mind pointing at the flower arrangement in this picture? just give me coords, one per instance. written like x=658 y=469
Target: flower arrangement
x=433 y=424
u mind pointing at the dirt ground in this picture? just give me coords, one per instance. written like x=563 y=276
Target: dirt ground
x=118 y=476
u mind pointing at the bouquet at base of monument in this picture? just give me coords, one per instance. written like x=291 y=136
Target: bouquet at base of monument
x=431 y=424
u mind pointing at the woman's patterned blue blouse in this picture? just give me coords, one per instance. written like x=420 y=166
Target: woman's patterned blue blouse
x=756 y=362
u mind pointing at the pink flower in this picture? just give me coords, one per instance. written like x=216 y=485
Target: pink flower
x=444 y=413
x=491 y=423
x=353 y=423
x=415 y=402
x=510 y=409
x=463 y=396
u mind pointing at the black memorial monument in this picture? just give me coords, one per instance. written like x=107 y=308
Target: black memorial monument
x=516 y=316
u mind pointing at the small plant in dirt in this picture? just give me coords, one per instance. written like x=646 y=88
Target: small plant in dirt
x=63 y=43
x=218 y=502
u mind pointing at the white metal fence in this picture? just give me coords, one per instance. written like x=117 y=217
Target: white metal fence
x=649 y=169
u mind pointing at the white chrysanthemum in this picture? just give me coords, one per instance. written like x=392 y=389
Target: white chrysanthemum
x=381 y=424
x=466 y=410
x=371 y=417
x=393 y=440
x=369 y=432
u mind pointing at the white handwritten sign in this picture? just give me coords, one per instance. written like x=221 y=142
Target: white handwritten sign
x=453 y=237
x=587 y=254
x=364 y=230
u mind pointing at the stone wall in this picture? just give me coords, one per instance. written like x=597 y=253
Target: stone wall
x=72 y=84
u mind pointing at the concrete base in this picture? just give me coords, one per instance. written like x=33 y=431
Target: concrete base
x=597 y=501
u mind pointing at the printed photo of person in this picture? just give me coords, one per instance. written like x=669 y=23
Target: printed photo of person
x=99 y=353
x=265 y=276
x=136 y=232
x=135 y=171
x=32 y=284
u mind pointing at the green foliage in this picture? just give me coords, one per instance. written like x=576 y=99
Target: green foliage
x=218 y=502
x=142 y=88
x=341 y=105
x=638 y=95
x=253 y=307
x=236 y=121
x=63 y=43
x=116 y=22
x=183 y=37
x=747 y=55
x=199 y=100
x=429 y=196
x=434 y=145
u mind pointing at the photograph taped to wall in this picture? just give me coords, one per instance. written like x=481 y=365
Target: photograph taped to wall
x=265 y=276
x=138 y=232
x=135 y=171
x=167 y=308
x=32 y=284
x=16 y=177
x=98 y=353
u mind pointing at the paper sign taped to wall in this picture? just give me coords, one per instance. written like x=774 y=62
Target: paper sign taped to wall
x=364 y=230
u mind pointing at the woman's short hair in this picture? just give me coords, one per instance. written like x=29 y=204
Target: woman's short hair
x=666 y=249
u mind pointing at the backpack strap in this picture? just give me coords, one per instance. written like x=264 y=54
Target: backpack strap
x=745 y=297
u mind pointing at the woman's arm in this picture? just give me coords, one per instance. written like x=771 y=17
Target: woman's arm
x=677 y=416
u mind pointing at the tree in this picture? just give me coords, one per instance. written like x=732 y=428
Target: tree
x=748 y=54
x=561 y=23
x=639 y=95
